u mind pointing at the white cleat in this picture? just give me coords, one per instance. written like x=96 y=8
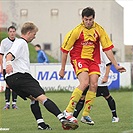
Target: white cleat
x=87 y=120
x=115 y=119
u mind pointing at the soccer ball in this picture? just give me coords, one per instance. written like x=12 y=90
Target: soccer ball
x=74 y=122
x=66 y=127
x=72 y=126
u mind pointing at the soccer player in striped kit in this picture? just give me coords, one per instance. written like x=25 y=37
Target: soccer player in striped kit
x=83 y=42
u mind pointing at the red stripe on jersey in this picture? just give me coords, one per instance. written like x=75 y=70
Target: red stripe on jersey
x=77 y=49
x=96 y=52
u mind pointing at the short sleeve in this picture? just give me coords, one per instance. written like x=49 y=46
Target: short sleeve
x=1 y=48
x=104 y=39
x=16 y=49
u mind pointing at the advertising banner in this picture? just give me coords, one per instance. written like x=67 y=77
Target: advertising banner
x=114 y=79
x=48 y=77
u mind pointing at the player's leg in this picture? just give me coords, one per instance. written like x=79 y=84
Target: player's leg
x=14 y=100
x=79 y=106
x=111 y=103
x=52 y=108
x=26 y=85
x=89 y=99
x=80 y=103
x=7 y=93
x=7 y=98
x=37 y=92
x=35 y=109
x=77 y=93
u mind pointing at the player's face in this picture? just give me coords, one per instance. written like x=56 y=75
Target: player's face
x=31 y=35
x=12 y=33
x=88 y=21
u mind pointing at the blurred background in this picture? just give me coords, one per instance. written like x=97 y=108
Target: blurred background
x=55 y=18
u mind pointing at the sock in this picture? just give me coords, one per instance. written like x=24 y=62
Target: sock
x=78 y=108
x=35 y=109
x=14 y=97
x=112 y=106
x=7 y=95
x=51 y=107
x=76 y=95
x=89 y=100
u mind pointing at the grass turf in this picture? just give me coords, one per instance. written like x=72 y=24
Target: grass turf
x=22 y=120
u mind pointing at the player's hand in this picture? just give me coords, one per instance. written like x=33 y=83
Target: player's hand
x=105 y=79
x=62 y=73
x=121 y=69
x=9 y=69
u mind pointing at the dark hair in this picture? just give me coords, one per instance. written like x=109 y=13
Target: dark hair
x=11 y=27
x=37 y=45
x=88 y=11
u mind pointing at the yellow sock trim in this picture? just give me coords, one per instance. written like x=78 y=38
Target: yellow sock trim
x=76 y=95
x=89 y=101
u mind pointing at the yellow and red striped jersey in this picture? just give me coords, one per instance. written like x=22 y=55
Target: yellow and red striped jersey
x=85 y=43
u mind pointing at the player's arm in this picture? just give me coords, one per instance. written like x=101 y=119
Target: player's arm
x=9 y=58
x=68 y=43
x=1 y=63
x=111 y=57
x=63 y=64
x=1 y=56
x=107 y=48
x=105 y=78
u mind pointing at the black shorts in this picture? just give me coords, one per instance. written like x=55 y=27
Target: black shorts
x=101 y=91
x=24 y=85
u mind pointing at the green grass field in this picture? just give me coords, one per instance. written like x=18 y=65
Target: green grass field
x=22 y=120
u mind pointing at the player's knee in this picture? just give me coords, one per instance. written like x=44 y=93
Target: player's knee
x=85 y=84
x=93 y=86
x=41 y=98
x=106 y=97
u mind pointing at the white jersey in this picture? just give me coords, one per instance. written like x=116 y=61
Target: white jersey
x=104 y=62
x=20 y=52
x=6 y=44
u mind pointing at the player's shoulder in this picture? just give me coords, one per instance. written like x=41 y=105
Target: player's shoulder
x=5 y=40
x=77 y=29
x=98 y=26
x=16 y=38
x=19 y=40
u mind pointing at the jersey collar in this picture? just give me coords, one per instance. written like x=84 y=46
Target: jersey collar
x=11 y=40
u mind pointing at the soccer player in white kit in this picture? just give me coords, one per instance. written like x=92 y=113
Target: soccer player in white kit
x=5 y=45
x=18 y=75
x=102 y=90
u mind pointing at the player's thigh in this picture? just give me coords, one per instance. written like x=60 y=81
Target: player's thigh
x=83 y=78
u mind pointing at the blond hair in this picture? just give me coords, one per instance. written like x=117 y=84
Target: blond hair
x=28 y=26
